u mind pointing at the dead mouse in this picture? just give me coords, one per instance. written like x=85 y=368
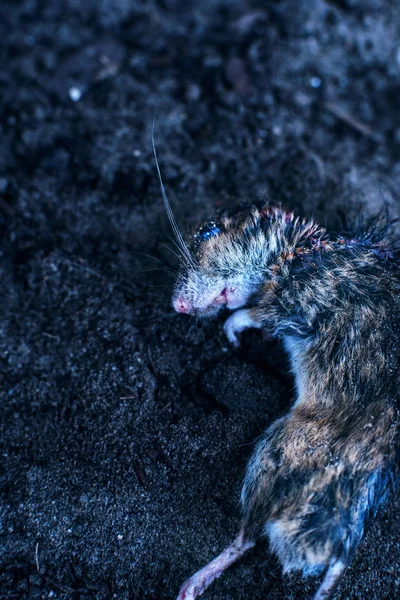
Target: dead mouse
x=318 y=475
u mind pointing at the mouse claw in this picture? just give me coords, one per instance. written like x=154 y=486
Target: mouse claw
x=188 y=591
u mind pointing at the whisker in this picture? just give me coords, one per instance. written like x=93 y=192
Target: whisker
x=167 y=205
x=190 y=330
x=163 y=270
x=155 y=319
x=170 y=249
x=157 y=286
x=181 y=255
x=167 y=267
x=79 y=266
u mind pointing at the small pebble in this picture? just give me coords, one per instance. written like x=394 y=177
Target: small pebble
x=315 y=82
x=153 y=453
x=75 y=94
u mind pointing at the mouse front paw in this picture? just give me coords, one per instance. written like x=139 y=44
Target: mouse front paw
x=238 y=322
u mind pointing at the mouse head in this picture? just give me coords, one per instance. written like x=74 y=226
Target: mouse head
x=226 y=262
x=224 y=266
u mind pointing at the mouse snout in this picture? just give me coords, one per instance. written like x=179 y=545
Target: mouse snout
x=181 y=305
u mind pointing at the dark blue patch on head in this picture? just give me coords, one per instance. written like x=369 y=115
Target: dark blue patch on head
x=207 y=231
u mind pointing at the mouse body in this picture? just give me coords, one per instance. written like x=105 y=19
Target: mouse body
x=319 y=474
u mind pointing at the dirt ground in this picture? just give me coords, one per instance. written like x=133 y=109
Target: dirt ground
x=125 y=429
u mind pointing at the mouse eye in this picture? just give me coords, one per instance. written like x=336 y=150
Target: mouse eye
x=208 y=230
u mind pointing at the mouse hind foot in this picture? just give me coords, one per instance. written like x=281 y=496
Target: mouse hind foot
x=333 y=577
x=199 y=582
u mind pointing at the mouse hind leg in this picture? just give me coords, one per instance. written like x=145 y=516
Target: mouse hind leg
x=333 y=577
x=199 y=582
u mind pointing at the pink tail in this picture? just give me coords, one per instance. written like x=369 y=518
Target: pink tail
x=195 y=586
x=331 y=580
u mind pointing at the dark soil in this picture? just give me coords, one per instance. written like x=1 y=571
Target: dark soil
x=125 y=429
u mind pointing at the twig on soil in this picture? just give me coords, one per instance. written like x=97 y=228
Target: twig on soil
x=165 y=407
x=344 y=116
x=141 y=476
x=53 y=337
x=64 y=588
x=37 y=557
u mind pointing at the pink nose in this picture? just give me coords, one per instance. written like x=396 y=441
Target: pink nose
x=181 y=305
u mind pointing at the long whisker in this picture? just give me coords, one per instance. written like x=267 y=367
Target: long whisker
x=82 y=267
x=167 y=205
x=154 y=319
x=181 y=256
x=170 y=249
x=164 y=269
x=181 y=244
x=168 y=267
